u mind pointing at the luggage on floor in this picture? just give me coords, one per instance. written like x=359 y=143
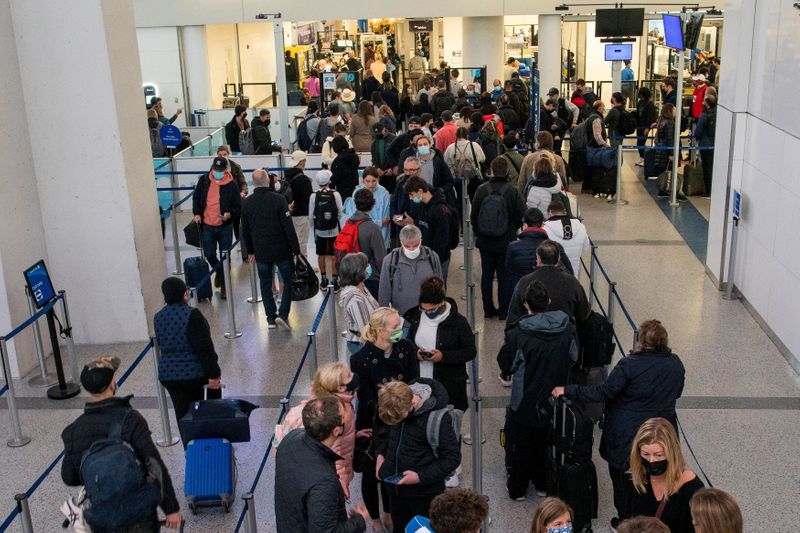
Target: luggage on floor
x=577 y=163
x=665 y=182
x=210 y=474
x=604 y=180
x=195 y=270
x=650 y=170
x=693 y=182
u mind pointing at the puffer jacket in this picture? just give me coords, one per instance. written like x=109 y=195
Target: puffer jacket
x=573 y=247
x=665 y=136
x=541 y=194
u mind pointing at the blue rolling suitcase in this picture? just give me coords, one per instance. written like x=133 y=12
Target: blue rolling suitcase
x=195 y=269
x=210 y=474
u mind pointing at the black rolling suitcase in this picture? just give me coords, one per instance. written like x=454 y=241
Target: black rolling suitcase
x=195 y=269
x=571 y=474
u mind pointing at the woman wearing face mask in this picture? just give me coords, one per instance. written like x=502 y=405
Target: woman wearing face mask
x=552 y=516
x=385 y=357
x=644 y=385
x=333 y=379
x=355 y=299
x=664 y=486
x=715 y=511
x=445 y=344
x=432 y=167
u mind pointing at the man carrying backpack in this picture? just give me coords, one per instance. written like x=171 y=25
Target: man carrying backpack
x=108 y=449
x=324 y=207
x=361 y=234
x=436 y=219
x=619 y=122
x=497 y=212
x=308 y=131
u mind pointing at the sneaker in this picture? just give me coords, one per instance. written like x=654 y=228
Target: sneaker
x=490 y=314
x=518 y=498
x=283 y=322
x=452 y=481
x=541 y=493
x=614 y=524
x=640 y=163
x=271 y=323
x=335 y=285
x=502 y=317
x=610 y=197
x=323 y=282
x=505 y=380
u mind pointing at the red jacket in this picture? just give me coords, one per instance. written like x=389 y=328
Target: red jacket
x=697 y=100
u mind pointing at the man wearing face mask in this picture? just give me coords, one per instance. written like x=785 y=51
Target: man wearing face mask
x=262 y=138
x=434 y=218
x=404 y=269
x=216 y=201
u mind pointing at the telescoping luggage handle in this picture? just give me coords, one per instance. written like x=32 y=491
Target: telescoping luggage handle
x=163 y=523
x=206 y=387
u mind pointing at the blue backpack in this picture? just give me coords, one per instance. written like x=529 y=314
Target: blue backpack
x=115 y=483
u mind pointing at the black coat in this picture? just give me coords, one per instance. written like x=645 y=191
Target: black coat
x=267 y=229
x=521 y=254
x=301 y=191
x=232 y=130
x=515 y=209
x=229 y=199
x=371 y=85
x=442 y=175
x=262 y=138
x=94 y=424
x=442 y=101
x=434 y=222
x=344 y=173
x=645 y=113
x=456 y=341
x=510 y=118
x=643 y=385
x=308 y=495
x=407 y=448
x=665 y=136
x=565 y=291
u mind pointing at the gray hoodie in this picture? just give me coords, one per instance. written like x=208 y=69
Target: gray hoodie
x=401 y=277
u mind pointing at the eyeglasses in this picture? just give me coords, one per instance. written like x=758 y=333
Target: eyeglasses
x=406 y=169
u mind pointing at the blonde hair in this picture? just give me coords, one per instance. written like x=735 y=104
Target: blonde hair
x=386 y=110
x=547 y=511
x=152 y=113
x=328 y=378
x=394 y=402
x=715 y=511
x=658 y=431
x=377 y=322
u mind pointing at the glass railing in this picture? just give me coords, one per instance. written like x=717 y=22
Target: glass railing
x=161 y=164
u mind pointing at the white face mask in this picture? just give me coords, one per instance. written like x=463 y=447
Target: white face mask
x=412 y=254
x=277 y=185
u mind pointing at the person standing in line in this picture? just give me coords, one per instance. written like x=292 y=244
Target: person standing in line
x=552 y=516
x=704 y=132
x=324 y=207
x=645 y=116
x=355 y=299
x=270 y=238
x=569 y=232
x=644 y=524
x=715 y=511
x=344 y=169
x=543 y=147
x=361 y=127
x=521 y=254
x=215 y=203
x=300 y=185
x=380 y=212
x=238 y=177
x=237 y=123
x=446 y=135
x=312 y=84
x=628 y=82
x=188 y=360
x=494 y=202
x=370 y=240
x=434 y=219
x=157 y=104
x=454 y=511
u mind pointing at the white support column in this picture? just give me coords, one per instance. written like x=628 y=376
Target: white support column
x=283 y=92
x=616 y=78
x=484 y=45
x=550 y=53
x=198 y=79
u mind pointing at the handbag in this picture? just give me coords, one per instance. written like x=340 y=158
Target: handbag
x=305 y=283
x=693 y=182
x=363 y=455
x=73 y=509
x=665 y=181
x=192 y=234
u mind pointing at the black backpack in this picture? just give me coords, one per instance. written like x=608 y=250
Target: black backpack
x=564 y=113
x=116 y=483
x=493 y=217
x=596 y=340
x=627 y=123
x=454 y=234
x=304 y=141
x=326 y=212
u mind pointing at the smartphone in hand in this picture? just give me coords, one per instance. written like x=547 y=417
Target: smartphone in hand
x=393 y=480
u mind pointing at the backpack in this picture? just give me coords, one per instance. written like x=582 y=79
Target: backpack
x=493 y=216
x=326 y=213
x=564 y=113
x=434 y=425
x=347 y=240
x=566 y=224
x=246 y=143
x=465 y=167
x=304 y=141
x=454 y=235
x=115 y=482
x=156 y=146
x=596 y=341
x=395 y=260
x=578 y=138
x=627 y=123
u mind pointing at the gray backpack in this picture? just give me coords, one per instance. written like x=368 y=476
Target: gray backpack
x=246 y=143
x=434 y=425
x=493 y=216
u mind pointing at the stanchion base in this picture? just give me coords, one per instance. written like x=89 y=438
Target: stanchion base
x=14 y=443
x=675 y=204
x=166 y=444
x=467 y=439
x=619 y=202
x=252 y=301
x=70 y=390
x=41 y=383
x=177 y=272
x=234 y=335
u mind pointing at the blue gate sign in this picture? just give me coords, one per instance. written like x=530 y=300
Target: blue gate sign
x=170 y=136
x=737 y=204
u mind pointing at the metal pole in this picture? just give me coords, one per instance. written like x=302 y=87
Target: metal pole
x=313 y=362
x=18 y=439
x=676 y=153
x=210 y=146
x=73 y=358
x=610 y=309
x=332 y=325
x=469 y=286
x=232 y=333
x=24 y=512
x=43 y=379
x=476 y=428
x=166 y=429
x=732 y=267
x=192 y=296
x=250 y=513
x=618 y=197
x=592 y=275
x=283 y=92
x=635 y=340
x=473 y=372
x=173 y=180
x=254 y=298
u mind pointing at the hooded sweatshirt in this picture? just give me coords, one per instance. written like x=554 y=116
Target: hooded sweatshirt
x=541 y=193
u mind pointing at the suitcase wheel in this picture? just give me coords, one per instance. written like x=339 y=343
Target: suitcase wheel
x=226 y=504
x=192 y=505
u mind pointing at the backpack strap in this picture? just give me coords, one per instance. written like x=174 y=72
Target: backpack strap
x=393 y=267
x=115 y=433
x=433 y=428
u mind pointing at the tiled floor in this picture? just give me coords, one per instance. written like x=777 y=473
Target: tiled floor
x=741 y=405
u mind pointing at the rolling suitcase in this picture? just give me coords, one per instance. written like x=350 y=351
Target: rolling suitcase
x=693 y=182
x=571 y=473
x=195 y=269
x=210 y=474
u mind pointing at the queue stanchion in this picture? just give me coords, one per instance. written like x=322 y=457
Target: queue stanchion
x=592 y=275
x=63 y=389
x=313 y=362
x=44 y=379
x=210 y=146
x=232 y=332
x=474 y=379
x=17 y=439
x=635 y=342
x=254 y=297
x=476 y=428
x=173 y=180
x=618 y=197
x=161 y=397
x=250 y=513
x=24 y=512
x=332 y=324
x=611 y=308
x=73 y=357
x=468 y=251
x=192 y=296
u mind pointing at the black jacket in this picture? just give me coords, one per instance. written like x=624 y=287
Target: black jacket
x=267 y=227
x=229 y=199
x=94 y=424
x=613 y=122
x=456 y=341
x=238 y=175
x=665 y=136
x=566 y=294
x=262 y=138
x=344 y=172
x=380 y=152
x=371 y=85
x=442 y=101
x=645 y=113
x=521 y=254
x=396 y=147
x=442 y=175
x=308 y=495
x=510 y=118
x=232 y=130
x=515 y=209
x=434 y=222
x=643 y=385
x=407 y=448
x=301 y=191
x=391 y=98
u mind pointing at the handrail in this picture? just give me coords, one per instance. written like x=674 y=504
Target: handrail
x=165 y=213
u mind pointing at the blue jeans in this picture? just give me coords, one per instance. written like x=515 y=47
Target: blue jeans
x=213 y=236
x=286 y=269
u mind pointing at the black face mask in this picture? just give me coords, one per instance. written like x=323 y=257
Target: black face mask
x=379 y=135
x=656 y=468
x=266 y=122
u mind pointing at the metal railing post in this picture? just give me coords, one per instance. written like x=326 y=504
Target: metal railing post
x=618 y=196
x=43 y=379
x=254 y=298
x=313 y=361
x=24 y=512
x=166 y=429
x=334 y=336
x=473 y=373
x=73 y=358
x=210 y=146
x=232 y=332
x=476 y=428
x=250 y=513
x=635 y=340
x=173 y=180
x=469 y=288
x=611 y=308
x=17 y=439
x=592 y=275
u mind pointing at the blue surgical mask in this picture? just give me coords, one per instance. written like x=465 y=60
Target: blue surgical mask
x=565 y=529
x=424 y=149
x=433 y=313
x=368 y=272
x=218 y=174
x=417 y=199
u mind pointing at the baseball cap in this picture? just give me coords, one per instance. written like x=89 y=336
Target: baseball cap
x=415 y=120
x=220 y=163
x=298 y=156
x=98 y=375
x=552 y=91
x=324 y=177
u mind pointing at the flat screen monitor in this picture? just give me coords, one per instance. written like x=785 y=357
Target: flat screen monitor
x=627 y=22
x=39 y=284
x=673 y=31
x=619 y=52
x=692 y=33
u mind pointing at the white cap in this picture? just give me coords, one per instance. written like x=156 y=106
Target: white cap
x=699 y=77
x=298 y=156
x=324 y=177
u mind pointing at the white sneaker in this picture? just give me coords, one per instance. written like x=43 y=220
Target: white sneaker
x=452 y=481
x=541 y=493
x=505 y=380
x=283 y=323
x=640 y=163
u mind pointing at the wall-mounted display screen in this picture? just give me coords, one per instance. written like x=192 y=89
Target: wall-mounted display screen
x=673 y=31
x=627 y=22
